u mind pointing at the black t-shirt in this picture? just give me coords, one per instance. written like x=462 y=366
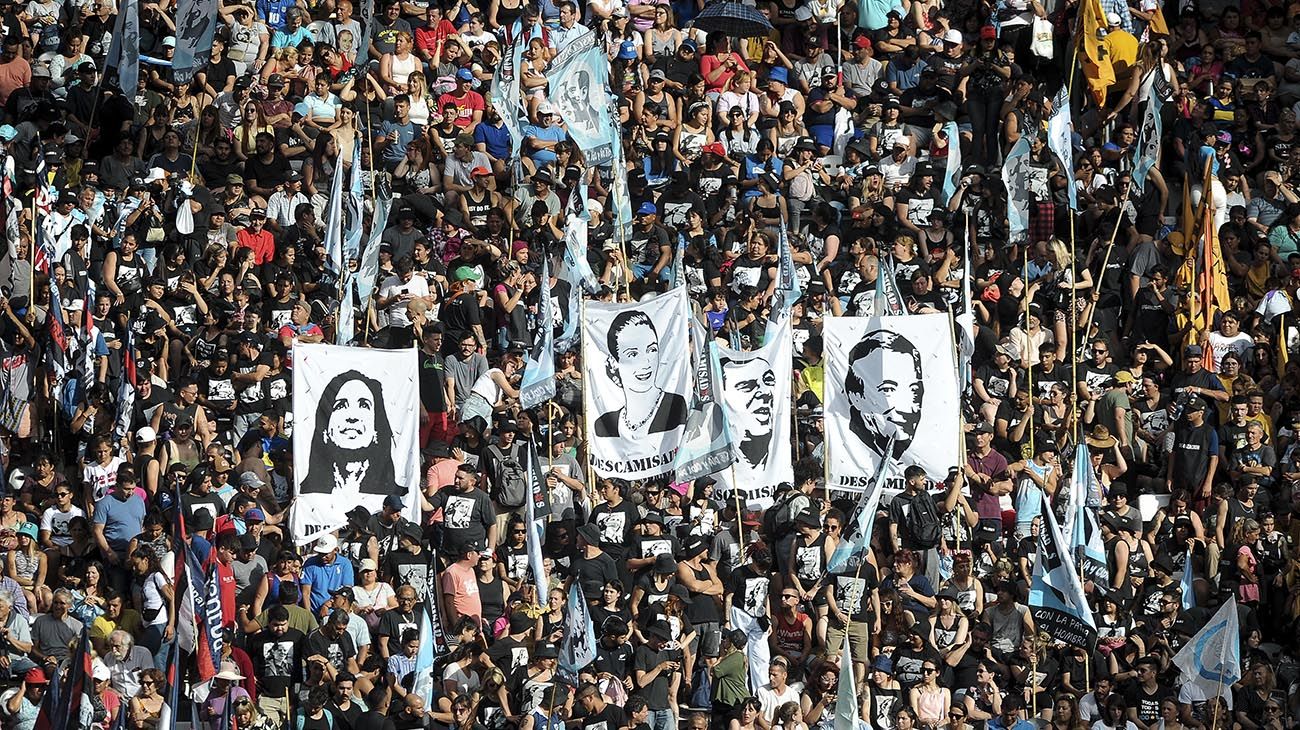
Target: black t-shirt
x=267 y=174
x=1147 y=704
x=373 y=720
x=615 y=525
x=656 y=693
x=613 y=660
x=466 y=517
x=337 y=650
x=408 y=569
x=252 y=396
x=433 y=393
x=276 y=660
x=610 y=718
x=508 y=654
x=459 y=315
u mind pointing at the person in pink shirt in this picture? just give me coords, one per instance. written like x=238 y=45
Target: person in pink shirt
x=460 y=587
x=720 y=64
x=15 y=71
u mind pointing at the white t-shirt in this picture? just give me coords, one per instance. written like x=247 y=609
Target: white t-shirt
x=56 y=523
x=393 y=286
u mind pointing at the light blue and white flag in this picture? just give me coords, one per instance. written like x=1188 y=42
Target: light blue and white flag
x=846 y=699
x=707 y=446
x=345 y=327
x=1212 y=659
x=124 y=52
x=1086 y=546
x=536 y=532
x=334 y=225
x=422 y=684
x=852 y=551
x=506 y=93
x=196 y=21
x=579 y=79
x=368 y=271
x=366 y=16
x=1147 y=151
x=1060 y=140
x=572 y=276
x=889 y=301
x=578 y=646
x=952 y=174
x=538 y=382
x=1056 y=597
x=354 y=210
x=1015 y=176
x=1185 y=584
x=788 y=289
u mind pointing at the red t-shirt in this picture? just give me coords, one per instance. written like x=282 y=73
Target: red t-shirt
x=460 y=587
x=427 y=39
x=789 y=635
x=461 y=108
x=262 y=243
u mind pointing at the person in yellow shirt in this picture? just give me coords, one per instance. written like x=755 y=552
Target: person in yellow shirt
x=117 y=616
x=812 y=378
x=1121 y=48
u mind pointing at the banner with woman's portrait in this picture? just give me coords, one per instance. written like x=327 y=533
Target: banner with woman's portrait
x=355 y=434
x=891 y=392
x=638 y=378
x=756 y=395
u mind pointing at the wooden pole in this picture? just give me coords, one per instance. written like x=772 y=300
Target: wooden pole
x=1029 y=372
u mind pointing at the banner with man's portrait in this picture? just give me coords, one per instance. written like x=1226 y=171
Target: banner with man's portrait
x=756 y=395
x=890 y=378
x=355 y=435
x=638 y=380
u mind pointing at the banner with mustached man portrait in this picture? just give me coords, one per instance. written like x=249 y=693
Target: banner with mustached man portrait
x=356 y=419
x=638 y=379
x=890 y=377
x=756 y=396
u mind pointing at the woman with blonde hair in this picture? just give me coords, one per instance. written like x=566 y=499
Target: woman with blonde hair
x=423 y=106
x=395 y=68
x=739 y=94
x=27 y=565
x=1244 y=535
x=251 y=124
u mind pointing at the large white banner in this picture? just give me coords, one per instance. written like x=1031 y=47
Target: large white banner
x=356 y=418
x=756 y=395
x=637 y=380
x=890 y=377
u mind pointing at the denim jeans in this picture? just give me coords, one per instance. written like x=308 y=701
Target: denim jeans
x=661 y=720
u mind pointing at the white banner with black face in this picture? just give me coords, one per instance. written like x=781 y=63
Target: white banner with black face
x=355 y=434
x=890 y=376
x=637 y=379
x=756 y=395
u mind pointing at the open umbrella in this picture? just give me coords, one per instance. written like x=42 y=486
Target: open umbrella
x=733 y=19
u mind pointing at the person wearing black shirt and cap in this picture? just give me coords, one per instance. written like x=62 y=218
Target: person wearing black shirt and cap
x=595 y=568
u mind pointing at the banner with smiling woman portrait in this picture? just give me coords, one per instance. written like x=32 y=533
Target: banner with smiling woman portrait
x=890 y=378
x=756 y=395
x=355 y=434
x=637 y=380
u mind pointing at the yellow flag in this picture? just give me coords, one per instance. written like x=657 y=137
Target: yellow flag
x=1093 y=58
x=1158 y=26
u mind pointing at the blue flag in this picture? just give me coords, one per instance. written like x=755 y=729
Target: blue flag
x=506 y=94
x=1212 y=659
x=1185 y=585
x=536 y=532
x=334 y=224
x=851 y=551
x=368 y=272
x=124 y=51
x=196 y=22
x=1086 y=546
x=1147 y=151
x=1060 y=140
x=888 y=300
x=788 y=289
x=1056 y=597
x=538 y=382
x=952 y=174
x=423 y=682
x=578 y=647
x=1015 y=176
x=846 y=698
x=579 y=79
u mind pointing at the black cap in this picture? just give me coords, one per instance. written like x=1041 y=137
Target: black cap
x=546 y=650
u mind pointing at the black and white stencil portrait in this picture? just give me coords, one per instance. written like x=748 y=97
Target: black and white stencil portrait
x=890 y=380
x=355 y=435
x=756 y=395
x=637 y=379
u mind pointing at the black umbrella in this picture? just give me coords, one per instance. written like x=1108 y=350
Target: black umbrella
x=733 y=19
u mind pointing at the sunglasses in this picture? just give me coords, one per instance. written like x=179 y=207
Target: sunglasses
x=930 y=670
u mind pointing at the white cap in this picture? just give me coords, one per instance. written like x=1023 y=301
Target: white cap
x=326 y=544
x=146 y=435
x=99 y=670
x=156 y=174
x=952 y=35
x=546 y=107
x=170 y=41
x=1112 y=18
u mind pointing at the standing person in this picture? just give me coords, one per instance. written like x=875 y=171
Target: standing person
x=118 y=517
x=657 y=676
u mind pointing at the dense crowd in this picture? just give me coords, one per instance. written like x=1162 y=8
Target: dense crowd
x=172 y=238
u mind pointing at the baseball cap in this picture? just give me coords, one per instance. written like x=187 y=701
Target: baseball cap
x=952 y=36
x=169 y=41
x=465 y=75
x=35 y=675
x=862 y=42
x=146 y=435
x=326 y=544
x=716 y=148
x=41 y=71
x=254 y=514
x=545 y=107
x=1193 y=351
x=394 y=501
x=480 y=171
x=1112 y=18
x=988 y=32
x=647 y=209
x=658 y=74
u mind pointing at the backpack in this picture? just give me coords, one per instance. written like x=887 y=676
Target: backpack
x=923 y=521
x=778 y=522
x=509 y=485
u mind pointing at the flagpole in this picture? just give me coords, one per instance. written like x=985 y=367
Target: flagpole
x=1024 y=356
x=586 y=405
x=1110 y=247
x=961 y=429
